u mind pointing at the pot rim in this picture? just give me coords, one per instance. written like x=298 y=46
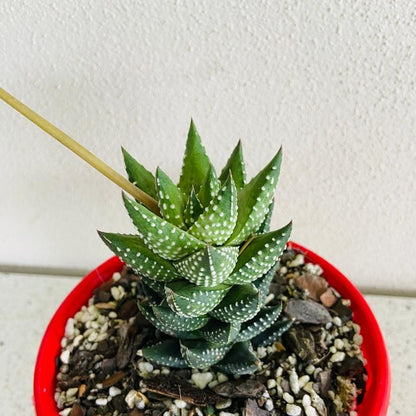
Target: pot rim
x=378 y=386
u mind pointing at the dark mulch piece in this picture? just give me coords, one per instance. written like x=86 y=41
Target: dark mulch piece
x=242 y=388
x=180 y=389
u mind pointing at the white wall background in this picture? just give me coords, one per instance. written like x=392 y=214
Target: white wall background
x=332 y=81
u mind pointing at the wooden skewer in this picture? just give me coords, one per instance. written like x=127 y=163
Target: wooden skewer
x=81 y=151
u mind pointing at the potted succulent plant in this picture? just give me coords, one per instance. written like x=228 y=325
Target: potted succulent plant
x=207 y=311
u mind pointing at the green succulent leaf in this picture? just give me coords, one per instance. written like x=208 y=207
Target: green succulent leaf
x=139 y=175
x=190 y=300
x=220 y=333
x=178 y=323
x=196 y=163
x=171 y=203
x=166 y=353
x=240 y=360
x=151 y=291
x=272 y=334
x=254 y=200
x=208 y=267
x=217 y=222
x=156 y=286
x=193 y=208
x=236 y=165
x=259 y=256
x=147 y=312
x=265 y=226
x=160 y=236
x=263 y=284
x=202 y=354
x=132 y=250
x=240 y=304
x=209 y=188
x=263 y=320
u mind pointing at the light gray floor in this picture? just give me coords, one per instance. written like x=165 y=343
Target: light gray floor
x=27 y=302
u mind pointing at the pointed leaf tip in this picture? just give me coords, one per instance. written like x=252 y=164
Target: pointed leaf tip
x=254 y=200
x=195 y=163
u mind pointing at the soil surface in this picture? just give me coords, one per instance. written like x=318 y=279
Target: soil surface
x=315 y=369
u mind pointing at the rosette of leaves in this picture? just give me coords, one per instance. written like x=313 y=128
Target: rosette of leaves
x=207 y=260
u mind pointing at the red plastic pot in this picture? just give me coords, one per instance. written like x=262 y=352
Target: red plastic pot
x=377 y=394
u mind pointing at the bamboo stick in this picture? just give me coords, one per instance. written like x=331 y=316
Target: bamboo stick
x=81 y=151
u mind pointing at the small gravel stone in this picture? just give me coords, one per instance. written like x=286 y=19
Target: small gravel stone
x=201 y=380
x=271 y=383
x=294 y=382
x=65 y=356
x=269 y=406
x=101 y=401
x=114 y=391
x=180 y=404
x=288 y=398
x=306 y=400
x=310 y=411
x=221 y=378
x=299 y=260
x=337 y=357
x=293 y=410
x=145 y=367
x=303 y=380
x=337 y=321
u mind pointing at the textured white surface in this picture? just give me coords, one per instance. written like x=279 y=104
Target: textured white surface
x=333 y=82
x=24 y=315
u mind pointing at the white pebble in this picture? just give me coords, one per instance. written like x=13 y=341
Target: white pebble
x=226 y=414
x=180 y=404
x=269 y=405
x=358 y=339
x=71 y=392
x=201 y=380
x=145 y=367
x=221 y=378
x=65 y=356
x=77 y=340
x=212 y=384
x=116 y=276
x=337 y=357
x=294 y=382
x=130 y=398
x=101 y=401
x=310 y=411
x=65 y=412
x=269 y=298
x=113 y=315
x=115 y=292
x=271 y=383
x=288 y=398
x=337 y=321
x=303 y=380
x=69 y=328
x=299 y=260
x=114 y=391
x=293 y=410
x=306 y=400
x=261 y=352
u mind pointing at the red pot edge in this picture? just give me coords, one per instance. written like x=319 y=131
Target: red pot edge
x=374 y=348
x=43 y=397
x=378 y=385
